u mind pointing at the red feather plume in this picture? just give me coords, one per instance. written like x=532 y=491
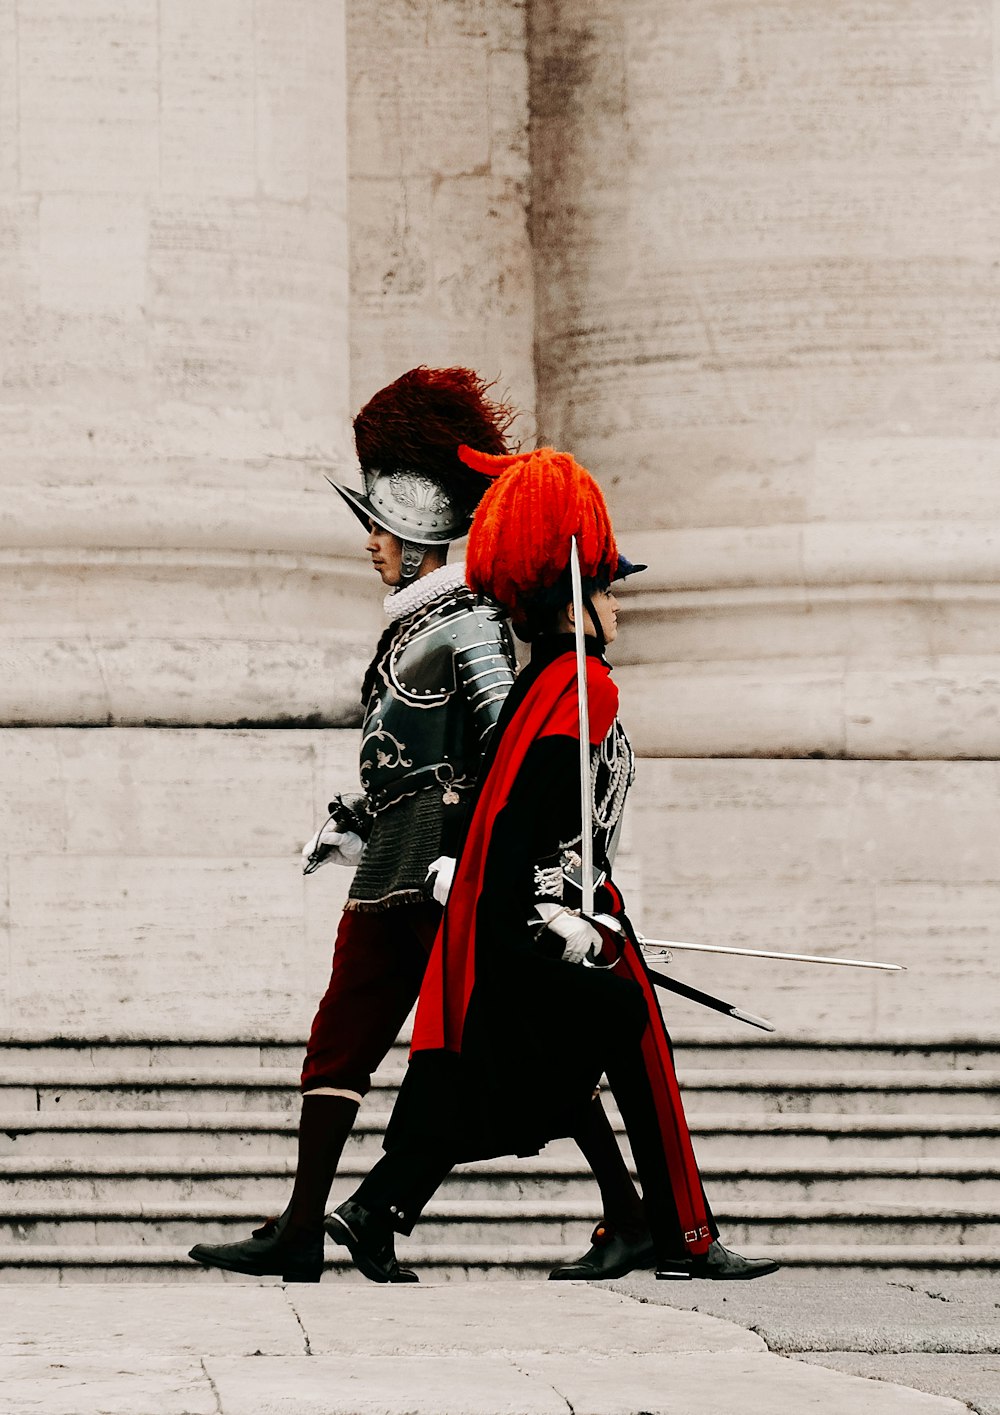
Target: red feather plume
x=418 y=422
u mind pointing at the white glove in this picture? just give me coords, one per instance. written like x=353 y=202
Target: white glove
x=443 y=870
x=346 y=848
x=581 y=943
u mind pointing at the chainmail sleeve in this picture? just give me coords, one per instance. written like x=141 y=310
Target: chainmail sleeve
x=484 y=668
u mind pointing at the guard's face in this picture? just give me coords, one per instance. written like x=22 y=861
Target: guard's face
x=386 y=551
x=606 y=609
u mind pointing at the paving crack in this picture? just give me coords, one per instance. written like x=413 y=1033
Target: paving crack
x=895 y=1378
x=302 y=1328
x=921 y=1291
x=564 y=1398
x=214 y=1388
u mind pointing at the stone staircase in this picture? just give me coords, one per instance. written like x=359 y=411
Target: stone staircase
x=116 y=1157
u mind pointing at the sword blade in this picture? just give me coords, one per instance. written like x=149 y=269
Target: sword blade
x=668 y=945
x=586 y=805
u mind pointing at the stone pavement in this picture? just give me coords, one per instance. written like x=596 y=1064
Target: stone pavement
x=356 y=1349
x=940 y=1334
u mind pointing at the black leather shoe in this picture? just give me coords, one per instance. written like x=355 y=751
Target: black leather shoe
x=610 y=1255
x=369 y=1241
x=298 y=1258
x=720 y=1265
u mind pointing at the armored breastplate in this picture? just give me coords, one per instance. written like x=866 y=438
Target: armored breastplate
x=436 y=696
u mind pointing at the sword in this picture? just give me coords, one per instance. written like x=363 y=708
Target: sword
x=586 y=804
x=655 y=947
x=623 y=928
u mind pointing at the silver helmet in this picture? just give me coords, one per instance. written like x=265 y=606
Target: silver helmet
x=412 y=505
x=407 y=437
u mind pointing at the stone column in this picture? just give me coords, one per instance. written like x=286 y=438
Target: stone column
x=173 y=278
x=768 y=320
x=175 y=364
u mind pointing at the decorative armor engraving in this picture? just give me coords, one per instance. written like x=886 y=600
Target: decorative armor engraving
x=419 y=493
x=439 y=685
x=376 y=732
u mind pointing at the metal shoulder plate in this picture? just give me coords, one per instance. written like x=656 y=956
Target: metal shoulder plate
x=420 y=667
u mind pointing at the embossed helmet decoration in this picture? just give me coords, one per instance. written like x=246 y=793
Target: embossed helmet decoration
x=407 y=436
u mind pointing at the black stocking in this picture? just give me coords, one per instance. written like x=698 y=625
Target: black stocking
x=620 y=1200
x=324 y=1126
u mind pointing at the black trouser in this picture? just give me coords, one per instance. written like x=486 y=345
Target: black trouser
x=398 y=1188
x=404 y=1180
x=630 y=1086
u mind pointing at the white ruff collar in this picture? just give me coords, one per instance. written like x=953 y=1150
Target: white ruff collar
x=415 y=595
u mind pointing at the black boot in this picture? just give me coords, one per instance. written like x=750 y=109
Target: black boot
x=720 y=1265
x=370 y=1243
x=292 y=1245
x=613 y=1254
x=297 y=1257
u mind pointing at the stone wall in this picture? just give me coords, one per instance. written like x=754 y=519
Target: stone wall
x=201 y=278
x=162 y=893
x=892 y=861
x=174 y=285
x=175 y=379
x=762 y=298
x=767 y=318
x=153 y=885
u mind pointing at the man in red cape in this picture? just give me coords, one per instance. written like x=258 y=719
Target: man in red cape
x=512 y=1034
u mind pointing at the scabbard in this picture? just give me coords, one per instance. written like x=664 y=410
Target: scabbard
x=728 y=1009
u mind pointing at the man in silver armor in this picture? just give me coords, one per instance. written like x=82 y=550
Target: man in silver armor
x=431 y=697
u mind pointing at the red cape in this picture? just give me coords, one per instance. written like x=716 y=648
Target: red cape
x=549 y=709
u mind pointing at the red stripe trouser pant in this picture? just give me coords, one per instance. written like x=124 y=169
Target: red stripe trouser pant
x=378 y=965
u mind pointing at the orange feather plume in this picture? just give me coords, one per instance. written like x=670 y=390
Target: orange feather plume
x=520 y=537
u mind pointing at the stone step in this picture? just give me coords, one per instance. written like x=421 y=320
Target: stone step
x=160 y=1088
x=265 y=1180
x=695 y=1050
x=851 y=1093
x=79 y=1055
x=445 y=1262
x=458 y=1222
x=785 y=1138
x=115 y=1157
x=717 y=1136
x=58 y=1262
